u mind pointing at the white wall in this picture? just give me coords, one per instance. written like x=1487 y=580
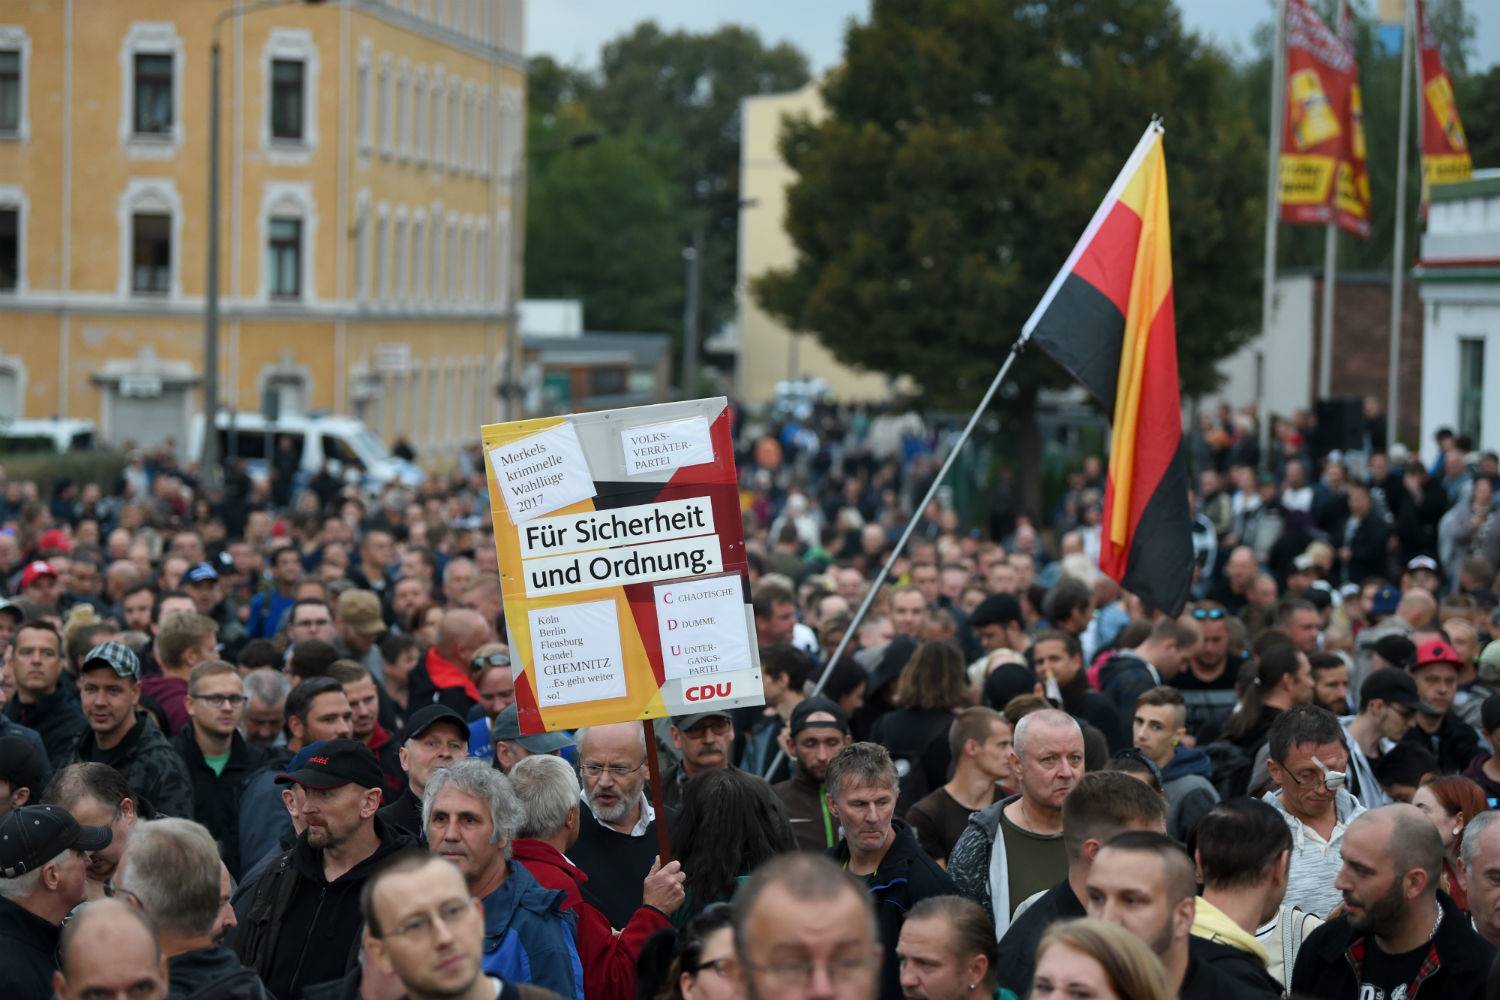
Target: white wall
x=1284 y=358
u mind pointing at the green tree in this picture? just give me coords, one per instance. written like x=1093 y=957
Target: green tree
x=968 y=143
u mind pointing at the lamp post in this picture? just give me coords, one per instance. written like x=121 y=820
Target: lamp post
x=209 y=461
x=510 y=383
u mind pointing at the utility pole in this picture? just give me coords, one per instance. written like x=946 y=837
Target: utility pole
x=694 y=257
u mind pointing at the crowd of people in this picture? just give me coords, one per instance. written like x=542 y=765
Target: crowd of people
x=260 y=740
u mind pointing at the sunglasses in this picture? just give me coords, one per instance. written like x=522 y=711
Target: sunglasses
x=490 y=660
x=1208 y=614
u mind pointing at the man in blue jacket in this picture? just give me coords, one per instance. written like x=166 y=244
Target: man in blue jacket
x=471 y=815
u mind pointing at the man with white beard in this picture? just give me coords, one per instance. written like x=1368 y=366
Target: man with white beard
x=617 y=831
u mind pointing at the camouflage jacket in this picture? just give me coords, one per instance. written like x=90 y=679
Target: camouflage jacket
x=152 y=768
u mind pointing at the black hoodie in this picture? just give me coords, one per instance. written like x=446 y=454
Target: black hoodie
x=295 y=927
x=192 y=973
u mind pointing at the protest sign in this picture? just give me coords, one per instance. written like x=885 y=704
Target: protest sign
x=622 y=561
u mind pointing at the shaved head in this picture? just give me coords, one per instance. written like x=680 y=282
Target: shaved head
x=461 y=630
x=1412 y=840
x=1047 y=718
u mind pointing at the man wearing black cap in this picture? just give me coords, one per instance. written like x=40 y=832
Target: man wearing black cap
x=1388 y=702
x=436 y=736
x=46 y=698
x=23 y=773
x=300 y=924
x=126 y=738
x=704 y=739
x=511 y=747
x=819 y=729
x=43 y=854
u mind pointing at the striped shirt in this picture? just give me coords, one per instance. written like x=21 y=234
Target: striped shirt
x=1316 y=862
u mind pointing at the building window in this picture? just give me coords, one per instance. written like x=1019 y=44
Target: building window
x=438 y=147
x=402 y=261
x=284 y=246
x=419 y=256
x=386 y=102
x=606 y=381
x=362 y=247
x=403 y=111
x=435 y=256
x=11 y=94
x=150 y=254
x=288 y=97
x=362 y=117
x=153 y=94
x=455 y=127
x=420 y=120
x=382 y=253
x=1471 y=388
x=10 y=249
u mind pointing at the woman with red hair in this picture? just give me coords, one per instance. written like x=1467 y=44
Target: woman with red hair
x=1450 y=802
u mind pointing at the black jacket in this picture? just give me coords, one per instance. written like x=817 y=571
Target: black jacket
x=1236 y=972
x=216 y=797
x=1457 y=963
x=405 y=814
x=151 y=767
x=1206 y=981
x=29 y=945
x=906 y=876
x=212 y=972
x=1123 y=679
x=295 y=927
x=1454 y=744
x=1017 y=961
x=57 y=718
x=1087 y=705
x=918 y=736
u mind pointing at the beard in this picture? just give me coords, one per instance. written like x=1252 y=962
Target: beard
x=616 y=812
x=1380 y=913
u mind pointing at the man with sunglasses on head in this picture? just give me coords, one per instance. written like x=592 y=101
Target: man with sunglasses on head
x=1388 y=702
x=1207 y=678
x=1308 y=762
x=496 y=683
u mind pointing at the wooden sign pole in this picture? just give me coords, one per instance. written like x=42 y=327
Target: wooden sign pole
x=658 y=800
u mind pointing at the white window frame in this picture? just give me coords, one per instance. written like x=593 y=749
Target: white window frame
x=364 y=111
x=438 y=147
x=454 y=258
x=471 y=129
x=284 y=200
x=512 y=137
x=502 y=261
x=482 y=261
x=400 y=254
x=513 y=26
x=384 y=100
x=14 y=36
x=149 y=195
x=14 y=196
x=419 y=258
x=455 y=127
x=421 y=121
x=382 y=253
x=150 y=38
x=435 y=238
x=297 y=44
x=403 y=110
x=486 y=132
x=363 y=246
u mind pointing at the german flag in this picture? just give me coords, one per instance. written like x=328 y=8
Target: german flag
x=1108 y=319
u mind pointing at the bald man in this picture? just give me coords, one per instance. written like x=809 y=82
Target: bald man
x=1415 y=611
x=444 y=675
x=108 y=950
x=1398 y=930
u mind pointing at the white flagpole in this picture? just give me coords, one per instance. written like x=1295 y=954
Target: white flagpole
x=1273 y=205
x=1398 y=252
x=1330 y=284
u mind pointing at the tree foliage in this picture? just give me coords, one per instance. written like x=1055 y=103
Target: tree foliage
x=667 y=108
x=968 y=143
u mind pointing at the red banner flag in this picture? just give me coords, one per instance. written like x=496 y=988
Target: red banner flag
x=1445 y=147
x=1315 y=120
x=1352 y=189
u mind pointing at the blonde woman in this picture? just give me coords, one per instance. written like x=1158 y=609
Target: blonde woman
x=1093 y=960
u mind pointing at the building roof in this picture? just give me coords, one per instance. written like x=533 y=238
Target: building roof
x=644 y=349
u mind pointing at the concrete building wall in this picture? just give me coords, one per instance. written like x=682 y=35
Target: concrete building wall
x=769 y=352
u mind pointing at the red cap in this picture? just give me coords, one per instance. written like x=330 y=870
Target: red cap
x=34 y=570
x=54 y=540
x=1436 y=651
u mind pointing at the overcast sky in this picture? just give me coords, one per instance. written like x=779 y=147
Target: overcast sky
x=573 y=31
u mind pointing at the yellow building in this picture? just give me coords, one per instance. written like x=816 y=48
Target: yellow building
x=370 y=153
x=768 y=352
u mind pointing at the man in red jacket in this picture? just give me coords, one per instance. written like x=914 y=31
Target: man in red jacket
x=548 y=789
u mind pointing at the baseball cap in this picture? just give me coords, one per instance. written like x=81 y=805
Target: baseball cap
x=31 y=836
x=34 y=570
x=1390 y=685
x=117 y=656
x=1397 y=650
x=1489 y=713
x=337 y=762
x=360 y=610
x=54 y=540
x=1422 y=562
x=1385 y=601
x=299 y=761
x=201 y=573
x=14 y=609
x=818 y=706
x=508 y=727
x=686 y=722
x=1489 y=662
x=1436 y=651
x=428 y=716
x=22 y=765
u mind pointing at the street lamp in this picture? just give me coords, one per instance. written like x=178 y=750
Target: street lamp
x=209 y=463
x=511 y=390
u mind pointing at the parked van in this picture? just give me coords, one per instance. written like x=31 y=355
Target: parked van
x=315 y=439
x=45 y=437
